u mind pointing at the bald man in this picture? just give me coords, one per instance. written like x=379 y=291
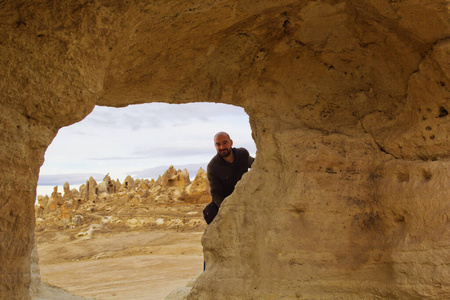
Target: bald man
x=224 y=170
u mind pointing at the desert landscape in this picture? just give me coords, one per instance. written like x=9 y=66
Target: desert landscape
x=141 y=241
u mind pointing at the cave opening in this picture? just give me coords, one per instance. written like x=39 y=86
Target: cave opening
x=102 y=237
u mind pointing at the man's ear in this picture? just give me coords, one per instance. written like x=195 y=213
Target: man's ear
x=231 y=142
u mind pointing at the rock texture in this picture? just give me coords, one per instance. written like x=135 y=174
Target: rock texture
x=348 y=103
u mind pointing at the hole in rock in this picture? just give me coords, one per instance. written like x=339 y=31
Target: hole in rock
x=442 y=112
x=127 y=225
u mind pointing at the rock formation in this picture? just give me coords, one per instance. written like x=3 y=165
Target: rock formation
x=198 y=191
x=174 y=178
x=92 y=189
x=128 y=183
x=348 y=103
x=68 y=195
x=56 y=200
x=133 y=205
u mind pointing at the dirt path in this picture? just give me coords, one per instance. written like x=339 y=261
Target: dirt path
x=135 y=265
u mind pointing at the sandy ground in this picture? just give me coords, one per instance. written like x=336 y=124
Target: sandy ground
x=124 y=265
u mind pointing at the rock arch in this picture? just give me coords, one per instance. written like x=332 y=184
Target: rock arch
x=348 y=104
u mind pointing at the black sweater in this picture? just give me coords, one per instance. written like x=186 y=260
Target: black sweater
x=223 y=176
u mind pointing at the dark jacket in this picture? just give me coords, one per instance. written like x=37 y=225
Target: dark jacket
x=223 y=176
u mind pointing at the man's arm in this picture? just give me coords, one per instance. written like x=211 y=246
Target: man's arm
x=216 y=188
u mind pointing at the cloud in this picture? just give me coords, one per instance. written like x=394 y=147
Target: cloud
x=160 y=115
x=81 y=178
x=174 y=151
x=71 y=178
x=136 y=139
x=159 y=170
x=117 y=158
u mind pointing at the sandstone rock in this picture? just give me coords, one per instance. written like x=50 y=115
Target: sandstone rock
x=149 y=183
x=68 y=195
x=107 y=219
x=83 y=191
x=176 y=223
x=145 y=185
x=75 y=193
x=158 y=181
x=77 y=220
x=76 y=202
x=347 y=102
x=198 y=190
x=55 y=201
x=102 y=187
x=42 y=205
x=135 y=200
x=128 y=183
x=168 y=175
x=175 y=194
x=133 y=222
x=195 y=222
x=92 y=190
x=179 y=294
x=163 y=198
x=104 y=196
x=116 y=185
x=66 y=211
x=47 y=291
x=174 y=178
x=88 y=233
x=35 y=272
x=43 y=200
x=108 y=185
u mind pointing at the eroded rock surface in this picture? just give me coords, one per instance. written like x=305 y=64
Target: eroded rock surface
x=348 y=103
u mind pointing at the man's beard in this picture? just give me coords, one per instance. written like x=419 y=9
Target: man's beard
x=224 y=153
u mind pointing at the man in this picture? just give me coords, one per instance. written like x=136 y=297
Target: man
x=224 y=171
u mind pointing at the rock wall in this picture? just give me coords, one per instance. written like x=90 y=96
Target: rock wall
x=348 y=103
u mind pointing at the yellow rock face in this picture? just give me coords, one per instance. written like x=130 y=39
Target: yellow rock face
x=348 y=103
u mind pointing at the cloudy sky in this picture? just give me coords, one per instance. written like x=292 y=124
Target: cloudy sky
x=141 y=141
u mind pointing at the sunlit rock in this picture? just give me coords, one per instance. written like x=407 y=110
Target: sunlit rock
x=198 y=190
x=92 y=190
x=68 y=195
x=56 y=200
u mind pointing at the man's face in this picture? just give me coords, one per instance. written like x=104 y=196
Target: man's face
x=223 y=145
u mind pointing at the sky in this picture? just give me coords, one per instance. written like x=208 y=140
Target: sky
x=142 y=141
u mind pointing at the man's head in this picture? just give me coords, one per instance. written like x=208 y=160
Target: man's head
x=223 y=144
